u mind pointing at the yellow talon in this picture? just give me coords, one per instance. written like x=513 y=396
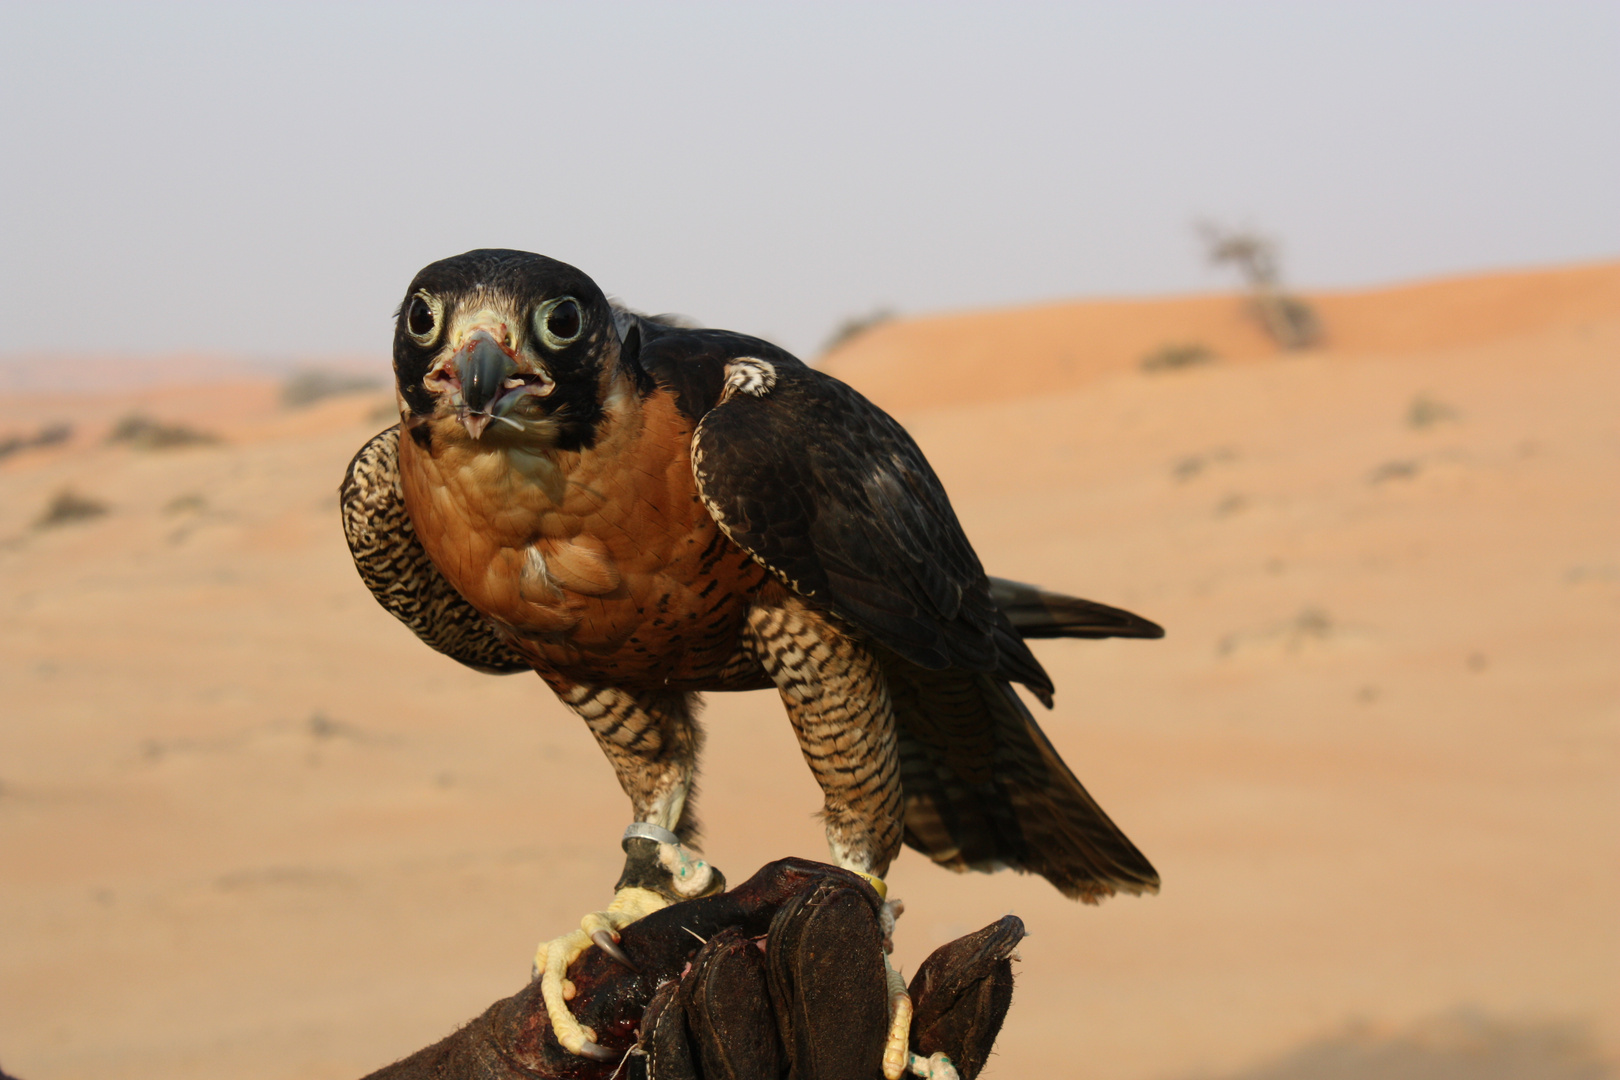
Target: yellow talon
x=553 y=959
x=897 y=1049
x=560 y=953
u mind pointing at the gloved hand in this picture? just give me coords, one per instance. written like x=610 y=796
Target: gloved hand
x=782 y=976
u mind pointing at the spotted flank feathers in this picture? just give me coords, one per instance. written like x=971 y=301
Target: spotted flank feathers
x=397 y=569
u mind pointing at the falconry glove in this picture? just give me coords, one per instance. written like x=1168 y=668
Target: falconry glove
x=781 y=977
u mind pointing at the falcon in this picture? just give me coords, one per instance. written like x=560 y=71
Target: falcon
x=640 y=511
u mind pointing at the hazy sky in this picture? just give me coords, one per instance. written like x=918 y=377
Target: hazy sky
x=265 y=179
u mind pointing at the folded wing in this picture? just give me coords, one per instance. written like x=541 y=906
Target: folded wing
x=397 y=570
x=835 y=498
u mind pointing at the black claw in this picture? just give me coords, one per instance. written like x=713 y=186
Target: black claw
x=605 y=942
x=596 y=1053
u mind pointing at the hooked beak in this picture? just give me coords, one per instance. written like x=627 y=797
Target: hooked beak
x=483 y=367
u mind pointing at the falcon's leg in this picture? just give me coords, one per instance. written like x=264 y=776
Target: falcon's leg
x=838 y=699
x=652 y=739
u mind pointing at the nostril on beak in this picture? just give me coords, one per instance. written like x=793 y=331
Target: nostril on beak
x=484 y=367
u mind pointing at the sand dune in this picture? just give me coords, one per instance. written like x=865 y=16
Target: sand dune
x=249 y=827
x=1024 y=352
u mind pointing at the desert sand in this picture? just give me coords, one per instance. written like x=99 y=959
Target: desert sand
x=250 y=827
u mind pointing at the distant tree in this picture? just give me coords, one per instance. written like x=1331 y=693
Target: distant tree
x=854 y=326
x=1291 y=322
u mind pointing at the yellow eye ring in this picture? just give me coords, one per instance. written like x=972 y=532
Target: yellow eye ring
x=559 y=323
x=424 y=315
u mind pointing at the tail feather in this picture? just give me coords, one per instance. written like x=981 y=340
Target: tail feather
x=985 y=789
x=1036 y=613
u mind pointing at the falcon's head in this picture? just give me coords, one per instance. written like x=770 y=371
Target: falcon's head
x=507 y=349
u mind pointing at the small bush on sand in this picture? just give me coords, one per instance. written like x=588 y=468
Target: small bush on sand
x=317 y=384
x=1425 y=412
x=145 y=433
x=67 y=507
x=1175 y=357
x=49 y=435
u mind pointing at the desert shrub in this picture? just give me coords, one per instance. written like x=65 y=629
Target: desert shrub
x=49 y=435
x=145 y=433
x=67 y=507
x=1394 y=470
x=1172 y=357
x=316 y=384
x=1291 y=322
x=1425 y=411
x=189 y=503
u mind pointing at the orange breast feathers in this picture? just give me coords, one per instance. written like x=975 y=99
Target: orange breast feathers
x=589 y=558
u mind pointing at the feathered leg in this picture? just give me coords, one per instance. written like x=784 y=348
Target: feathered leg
x=837 y=696
x=838 y=699
x=652 y=739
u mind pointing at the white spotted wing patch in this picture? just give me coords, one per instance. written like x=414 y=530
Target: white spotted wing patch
x=750 y=376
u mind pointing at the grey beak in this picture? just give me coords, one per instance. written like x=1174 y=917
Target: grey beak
x=483 y=367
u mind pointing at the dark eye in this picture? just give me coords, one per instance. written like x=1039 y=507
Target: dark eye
x=422 y=318
x=559 y=322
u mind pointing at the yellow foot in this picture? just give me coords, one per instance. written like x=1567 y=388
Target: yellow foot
x=897 y=1056
x=897 y=1050
x=552 y=959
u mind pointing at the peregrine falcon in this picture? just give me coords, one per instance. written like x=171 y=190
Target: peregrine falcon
x=639 y=511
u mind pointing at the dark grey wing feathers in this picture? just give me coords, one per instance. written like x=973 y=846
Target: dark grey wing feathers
x=832 y=495
x=397 y=570
x=985 y=789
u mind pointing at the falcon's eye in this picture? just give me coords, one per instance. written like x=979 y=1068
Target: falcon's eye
x=422 y=318
x=559 y=322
